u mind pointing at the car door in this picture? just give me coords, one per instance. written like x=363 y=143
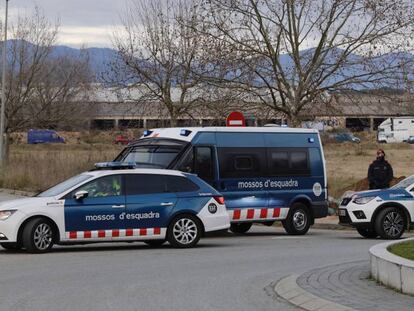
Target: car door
x=98 y=215
x=148 y=204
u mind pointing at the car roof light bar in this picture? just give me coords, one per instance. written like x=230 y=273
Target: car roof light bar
x=115 y=165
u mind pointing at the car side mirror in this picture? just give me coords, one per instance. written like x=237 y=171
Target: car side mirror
x=80 y=195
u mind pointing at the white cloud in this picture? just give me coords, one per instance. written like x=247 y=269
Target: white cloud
x=77 y=36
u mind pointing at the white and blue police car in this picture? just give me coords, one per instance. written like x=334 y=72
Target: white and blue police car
x=385 y=213
x=115 y=202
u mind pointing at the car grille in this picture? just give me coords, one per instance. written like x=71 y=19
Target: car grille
x=344 y=219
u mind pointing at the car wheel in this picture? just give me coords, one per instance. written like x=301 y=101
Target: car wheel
x=241 y=227
x=38 y=236
x=184 y=231
x=298 y=220
x=367 y=233
x=154 y=243
x=390 y=223
x=11 y=246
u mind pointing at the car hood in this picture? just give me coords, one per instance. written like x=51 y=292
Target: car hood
x=385 y=194
x=24 y=203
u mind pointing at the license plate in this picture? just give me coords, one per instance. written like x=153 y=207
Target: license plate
x=342 y=212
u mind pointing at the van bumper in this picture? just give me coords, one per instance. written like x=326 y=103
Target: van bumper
x=320 y=209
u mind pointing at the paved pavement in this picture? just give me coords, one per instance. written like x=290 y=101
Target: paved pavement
x=349 y=285
x=223 y=273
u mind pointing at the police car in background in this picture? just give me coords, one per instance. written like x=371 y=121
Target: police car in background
x=115 y=202
x=385 y=213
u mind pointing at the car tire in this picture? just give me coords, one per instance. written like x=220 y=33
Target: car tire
x=390 y=223
x=298 y=220
x=155 y=243
x=241 y=227
x=11 y=246
x=367 y=233
x=38 y=236
x=184 y=231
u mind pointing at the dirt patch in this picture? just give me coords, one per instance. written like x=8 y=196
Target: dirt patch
x=363 y=184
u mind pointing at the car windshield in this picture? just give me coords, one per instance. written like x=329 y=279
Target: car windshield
x=152 y=153
x=404 y=183
x=66 y=185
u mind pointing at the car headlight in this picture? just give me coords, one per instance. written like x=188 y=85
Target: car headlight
x=6 y=214
x=363 y=200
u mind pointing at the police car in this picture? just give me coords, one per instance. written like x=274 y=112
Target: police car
x=115 y=202
x=385 y=213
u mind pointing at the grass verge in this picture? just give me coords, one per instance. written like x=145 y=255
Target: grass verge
x=405 y=250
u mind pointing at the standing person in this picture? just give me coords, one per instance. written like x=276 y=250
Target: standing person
x=380 y=172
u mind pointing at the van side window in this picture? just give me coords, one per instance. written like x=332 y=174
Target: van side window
x=299 y=160
x=288 y=162
x=242 y=162
x=203 y=164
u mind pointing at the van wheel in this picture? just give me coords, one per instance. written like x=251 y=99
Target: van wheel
x=154 y=243
x=11 y=246
x=367 y=233
x=390 y=223
x=38 y=236
x=240 y=228
x=298 y=220
x=184 y=231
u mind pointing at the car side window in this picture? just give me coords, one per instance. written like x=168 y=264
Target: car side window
x=139 y=184
x=101 y=187
x=180 y=184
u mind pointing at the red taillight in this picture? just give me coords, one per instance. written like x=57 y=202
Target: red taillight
x=220 y=200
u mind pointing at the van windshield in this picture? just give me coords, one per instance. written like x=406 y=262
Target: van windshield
x=152 y=153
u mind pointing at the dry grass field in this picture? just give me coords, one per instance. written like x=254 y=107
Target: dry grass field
x=37 y=167
x=348 y=163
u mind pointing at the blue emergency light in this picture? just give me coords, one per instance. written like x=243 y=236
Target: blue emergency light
x=147 y=133
x=311 y=140
x=185 y=132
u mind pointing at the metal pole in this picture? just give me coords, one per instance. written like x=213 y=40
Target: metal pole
x=3 y=92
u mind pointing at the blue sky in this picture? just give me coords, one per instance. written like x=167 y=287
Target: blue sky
x=82 y=22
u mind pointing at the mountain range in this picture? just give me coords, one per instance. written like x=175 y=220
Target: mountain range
x=100 y=61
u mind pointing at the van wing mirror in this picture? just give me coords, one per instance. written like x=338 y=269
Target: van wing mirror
x=80 y=195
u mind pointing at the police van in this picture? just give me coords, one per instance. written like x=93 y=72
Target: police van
x=116 y=202
x=264 y=173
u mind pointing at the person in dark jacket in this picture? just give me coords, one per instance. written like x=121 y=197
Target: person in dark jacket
x=380 y=172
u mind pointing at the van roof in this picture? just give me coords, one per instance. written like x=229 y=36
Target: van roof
x=188 y=133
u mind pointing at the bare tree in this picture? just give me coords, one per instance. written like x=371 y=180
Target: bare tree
x=161 y=57
x=289 y=54
x=41 y=87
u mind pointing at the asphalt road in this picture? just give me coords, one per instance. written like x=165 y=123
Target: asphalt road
x=223 y=273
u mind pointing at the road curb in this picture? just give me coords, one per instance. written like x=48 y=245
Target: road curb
x=17 y=192
x=288 y=289
x=391 y=270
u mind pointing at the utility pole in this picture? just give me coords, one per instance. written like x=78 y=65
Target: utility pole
x=3 y=93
